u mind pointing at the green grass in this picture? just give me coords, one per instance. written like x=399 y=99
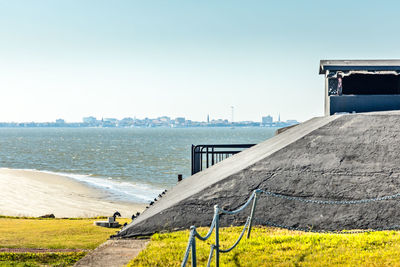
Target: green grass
x=17 y=232
x=38 y=218
x=53 y=233
x=40 y=259
x=277 y=247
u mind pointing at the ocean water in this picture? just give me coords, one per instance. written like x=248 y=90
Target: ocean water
x=128 y=164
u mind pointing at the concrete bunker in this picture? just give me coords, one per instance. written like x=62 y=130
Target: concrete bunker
x=361 y=85
x=306 y=162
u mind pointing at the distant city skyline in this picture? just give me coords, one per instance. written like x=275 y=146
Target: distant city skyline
x=65 y=58
x=207 y=117
x=266 y=119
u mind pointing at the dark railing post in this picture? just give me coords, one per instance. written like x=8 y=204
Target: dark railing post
x=192 y=157
x=207 y=157
x=252 y=214
x=196 y=159
x=194 y=263
x=216 y=210
x=212 y=156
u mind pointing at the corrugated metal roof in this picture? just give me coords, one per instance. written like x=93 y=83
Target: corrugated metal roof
x=369 y=65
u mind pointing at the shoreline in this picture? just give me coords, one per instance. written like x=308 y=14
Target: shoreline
x=34 y=193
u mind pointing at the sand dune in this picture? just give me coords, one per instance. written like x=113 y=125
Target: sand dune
x=34 y=193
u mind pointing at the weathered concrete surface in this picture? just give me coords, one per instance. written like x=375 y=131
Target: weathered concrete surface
x=331 y=158
x=113 y=253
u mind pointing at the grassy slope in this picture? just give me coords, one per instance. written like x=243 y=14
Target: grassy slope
x=51 y=234
x=277 y=247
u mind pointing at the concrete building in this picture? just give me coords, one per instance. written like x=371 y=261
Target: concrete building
x=180 y=120
x=126 y=122
x=90 y=120
x=266 y=120
x=361 y=85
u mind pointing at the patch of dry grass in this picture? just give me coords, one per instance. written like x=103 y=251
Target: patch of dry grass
x=53 y=233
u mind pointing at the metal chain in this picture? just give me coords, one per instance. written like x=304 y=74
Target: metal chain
x=310 y=230
x=330 y=202
x=239 y=238
x=243 y=206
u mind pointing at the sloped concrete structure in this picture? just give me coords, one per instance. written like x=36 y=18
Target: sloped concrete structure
x=341 y=157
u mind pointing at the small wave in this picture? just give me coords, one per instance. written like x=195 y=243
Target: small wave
x=115 y=189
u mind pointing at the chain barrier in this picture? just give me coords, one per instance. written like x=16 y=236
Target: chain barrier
x=250 y=219
x=330 y=202
x=215 y=227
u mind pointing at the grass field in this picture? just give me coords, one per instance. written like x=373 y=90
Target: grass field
x=277 y=247
x=266 y=247
x=40 y=259
x=30 y=233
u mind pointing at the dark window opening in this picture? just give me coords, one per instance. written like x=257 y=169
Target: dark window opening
x=371 y=84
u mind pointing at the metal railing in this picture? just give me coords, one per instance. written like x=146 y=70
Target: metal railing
x=250 y=219
x=204 y=156
x=215 y=225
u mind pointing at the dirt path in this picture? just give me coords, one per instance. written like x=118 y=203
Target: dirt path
x=114 y=253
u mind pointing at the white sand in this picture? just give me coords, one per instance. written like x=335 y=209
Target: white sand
x=34 y=193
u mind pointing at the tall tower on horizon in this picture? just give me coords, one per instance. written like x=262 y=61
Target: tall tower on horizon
x=279 y=117
x=208 y=118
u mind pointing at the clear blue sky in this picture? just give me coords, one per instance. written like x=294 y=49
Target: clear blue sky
x=69 y=59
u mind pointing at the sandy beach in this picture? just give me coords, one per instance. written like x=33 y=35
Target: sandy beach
x=34 y=193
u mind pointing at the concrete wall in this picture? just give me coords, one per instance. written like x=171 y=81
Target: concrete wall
x=363 y=103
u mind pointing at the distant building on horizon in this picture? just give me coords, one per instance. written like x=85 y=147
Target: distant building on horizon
x=180 y=120
x=266 y=120
x=126 y=122
x=60 y=121
x=89 y=120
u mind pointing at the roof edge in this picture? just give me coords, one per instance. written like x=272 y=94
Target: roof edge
x=358 y=64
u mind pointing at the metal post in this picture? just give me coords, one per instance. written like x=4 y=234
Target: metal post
x=207 y=156
x=212 y=156
x=194 y=264
x=201 y=158
x=252 y=214
x=192 y=154
x=216 y=211
x=210 y=256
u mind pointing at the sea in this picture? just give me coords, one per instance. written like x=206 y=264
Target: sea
x=127 y=164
